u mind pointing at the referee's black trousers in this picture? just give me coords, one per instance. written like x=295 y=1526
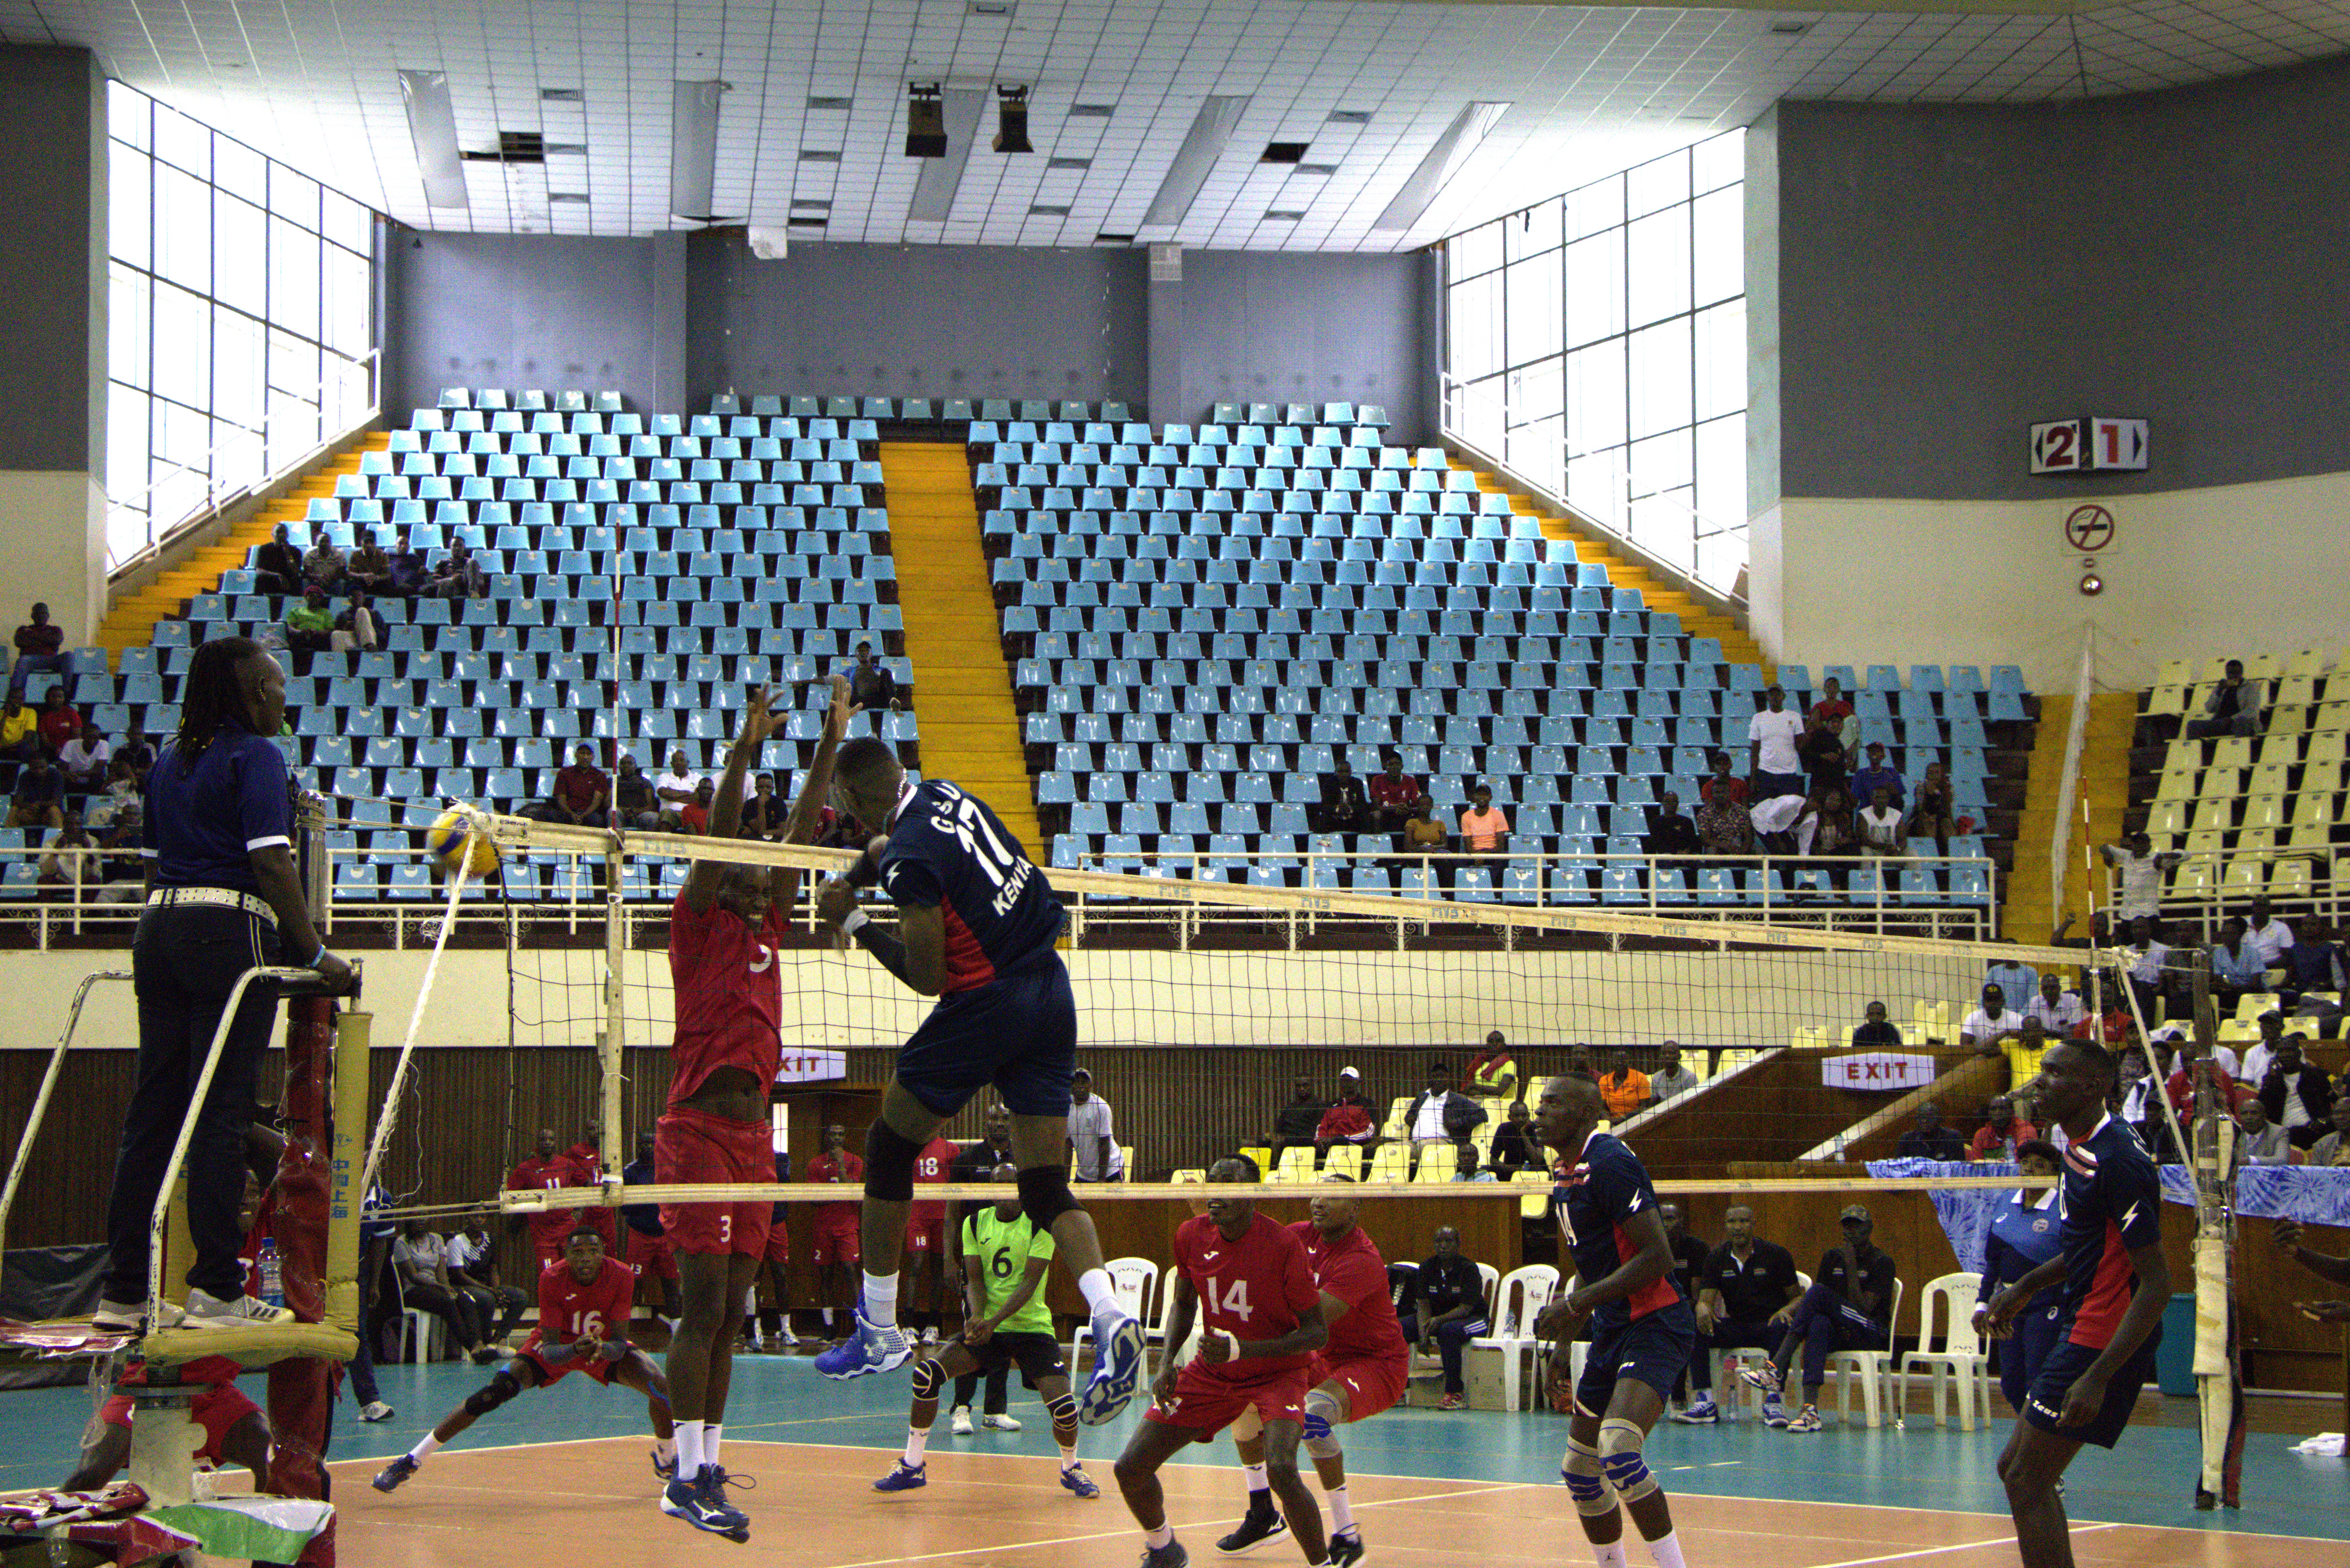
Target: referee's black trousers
x=185 y=962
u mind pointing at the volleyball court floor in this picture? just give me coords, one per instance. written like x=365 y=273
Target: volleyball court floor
x=563 y=1476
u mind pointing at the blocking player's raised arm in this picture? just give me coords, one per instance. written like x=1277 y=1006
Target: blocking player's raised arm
x=807 y=806
x=726 y=806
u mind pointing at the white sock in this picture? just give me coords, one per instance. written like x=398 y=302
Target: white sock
x=1610 y=1555
x=1161 y=1538
x=1101 y=1296
x=827 y=1320
x=689 y=1449
x=710 y=1430
x=750 y=1312
x=881 y=1300
x=1069 y=1457
x=665 y=1448
x=1342 y=1511
x=917 y=1439
x=1667 y=1550
x=1257 y=1485
x=423 y=1449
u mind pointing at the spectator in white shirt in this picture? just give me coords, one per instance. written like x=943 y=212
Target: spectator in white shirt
x=2270 y=934
x=2141 y=869
x=1090 y=1136
x=2057 y=1009
x=1670 y=1077
x=1992 y=1022
x=1771 y=759
x=2264 y=1052
x=1880 y=826
x=676 y=790
x=83 y=760
x=2149 y=960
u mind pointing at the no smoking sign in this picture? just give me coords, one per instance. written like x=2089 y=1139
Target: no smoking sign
x=2087 y=530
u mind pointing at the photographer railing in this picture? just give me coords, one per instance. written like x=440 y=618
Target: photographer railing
x=2207 y=887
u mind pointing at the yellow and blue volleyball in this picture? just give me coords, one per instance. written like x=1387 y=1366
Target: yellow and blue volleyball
x=445 y=841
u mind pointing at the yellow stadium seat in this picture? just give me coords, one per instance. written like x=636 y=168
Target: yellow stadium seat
x=2183 y=753
x=2307 y=662
x=2221 y=784
x=1345 y=1160
x=2244 y=879
x=1297 y=1164
x=1815 y=1038
x=2331 y=719
x=1929 y=1021
x=1264 y=1157
x=2238 y=1031
x=2211 y=815
x=2175 y=784
x=1389 y=1162
x=1437 y=1162
x=2312 y=810
x=2174 y=672
x=2165 y=700
x=2167 y=818
x=2322 y=778
x=1732 y=1060
x=2298 y=690
x=2252 y=1004
x=2232 y=752
x=2288 y=723
x=2206 y=841
x=2265 y=811
x=2269 y=778
x=2191 y=880
x=2290 y=879
x=1188 y=1174
x=2256 y=841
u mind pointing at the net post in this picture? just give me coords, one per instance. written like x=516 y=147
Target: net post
x=614 y=1036
x=301 y=1392
x=345 y=1197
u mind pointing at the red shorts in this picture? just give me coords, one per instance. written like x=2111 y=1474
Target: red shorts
x=547 y=1241
x=779 y=1245
x=587 y=1362
x=216 y=1408
x=1372 y=1384
x=926 y=1236
x=1207 y=1404
x=694 y=1146
x=654 y=1258
x=838 y=1237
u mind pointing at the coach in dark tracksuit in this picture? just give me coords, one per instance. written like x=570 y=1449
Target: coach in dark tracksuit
x=223 y=898
x=1848 y=1307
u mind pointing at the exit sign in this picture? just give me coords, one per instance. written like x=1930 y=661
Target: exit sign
x=2096 y=444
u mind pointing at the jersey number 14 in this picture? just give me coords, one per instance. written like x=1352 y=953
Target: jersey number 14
x=1234 y=1302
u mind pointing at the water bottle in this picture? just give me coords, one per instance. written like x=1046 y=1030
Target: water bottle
x=273 y=1273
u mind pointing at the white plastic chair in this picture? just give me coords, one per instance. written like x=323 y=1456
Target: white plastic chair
x=1960 y=1368
x=421 y=1331
x=1427 y=1365
x=1518 y=1300
x=1134 y=1281
x=1873 y=1369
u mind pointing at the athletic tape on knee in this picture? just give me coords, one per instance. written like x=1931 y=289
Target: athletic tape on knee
x=1064 y=1410
x=492 y=1395
x=889 y=1163
x=1619 y=1457
x=1044 y=1194
x=1322 y=1415
x=1584 y=1481
x=927 y=1378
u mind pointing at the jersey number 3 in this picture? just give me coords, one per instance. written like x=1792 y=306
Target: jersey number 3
x=1234 y=1302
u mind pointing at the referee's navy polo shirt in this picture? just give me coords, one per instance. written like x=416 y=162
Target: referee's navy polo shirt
x=204 y=823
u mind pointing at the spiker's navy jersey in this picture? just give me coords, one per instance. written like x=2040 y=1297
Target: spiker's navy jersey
x=2112 y=1204
x=1601 y=1190
x=949 y=852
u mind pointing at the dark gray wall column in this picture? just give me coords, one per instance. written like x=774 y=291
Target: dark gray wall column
x=1165 y=397
x=670 y=315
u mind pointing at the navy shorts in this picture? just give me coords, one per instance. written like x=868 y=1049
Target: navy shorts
x=1018 y=1032
x=2023 y=1353
x=1654 y=1350
x=2063 y=1367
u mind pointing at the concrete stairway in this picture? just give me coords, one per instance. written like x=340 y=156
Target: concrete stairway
x=970 y=730
x=2104 y=788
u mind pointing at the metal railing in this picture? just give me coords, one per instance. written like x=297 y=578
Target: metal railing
x=2197 y=891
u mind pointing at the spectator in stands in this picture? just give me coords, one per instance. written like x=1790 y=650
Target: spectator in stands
x=136 y=749
x=323 y=565
x=1671 y=832
x=2261 y=1052
x=1440 y=1115
x=1091 y=1138
x=309 y=627
x=2059 y=1011
x=20 y=731
x=1879 y=774
x=1394 y=796
x=1826 y=762
x=1823 y=826
x=2002 y=1130
x=1994 y=1021
x=2334 y=1148
x=1624 y=1087
x=1293 y=1124
x=2270 y=934
x=473 y=1272
x=1720 y=783
x=421 y=1260
x=2141 y=875
x=1424 y=834
x=634 y=804
x=278 y=565
x=39 y=800
x=1351 y=1118
x=2263 y=1142
x=61 y=723
x=1670 y=1078
x=1516 y=1145
x=676 y=789
x=458 y=577
x=693 y=816
x=2237 y=970
x=124 y=869
x=2024 y=1051
x=370 y=570
x=1876 y=1030
x=84 y=760
x=1725 y=828
x=358 y=628
x=2298 y=1095
x=1772 y=762
x=121 y=789
x=1880 y=823
x=870 y=685
x=411 y=576
x=40 y=646
x=2016 y=980
x=1483 y=825
x=1833 y=707
x=69 y=857
x=2315 y=962
x=2150 y=968
x=1746 y=1283
x=2136 y=1099
x=1931 y=811
x=1929 y=1139
x=580 y=792
x=2233 y=708
x=1493 y=1072
x=1465 y=1167
x=1848 y=1307
x=1444 y=1310
x=2183 y=1052
x=1344 y=809
x=764 y=812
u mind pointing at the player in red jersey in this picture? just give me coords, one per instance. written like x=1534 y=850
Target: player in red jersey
x=836 y=1252
x=1358 y=1375
x=724 y=932
x=925 y=1241
x=775 y=1267
x=588 y=1156
x=584 y=1303
x=1248 y=1283
x=547 y=1168
x=235 y=1431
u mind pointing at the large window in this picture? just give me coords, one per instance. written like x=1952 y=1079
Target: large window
x=242 y=318
x=1596 y=344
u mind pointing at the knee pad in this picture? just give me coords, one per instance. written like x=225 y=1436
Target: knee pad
x=1044 y=1195
x=1585 y=1482
x=1322 y=1417
x=492 y=1395
x=1064 y=1410
x=927 y=1377
x=1619 y=1457
x=889 y=1163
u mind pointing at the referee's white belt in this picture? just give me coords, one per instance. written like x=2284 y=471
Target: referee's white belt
x=225 y=897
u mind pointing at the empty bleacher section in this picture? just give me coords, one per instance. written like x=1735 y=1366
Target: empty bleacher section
x=1203 y=620
x=2248 y=813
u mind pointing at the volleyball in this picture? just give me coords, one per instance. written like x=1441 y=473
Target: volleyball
x=445 y=841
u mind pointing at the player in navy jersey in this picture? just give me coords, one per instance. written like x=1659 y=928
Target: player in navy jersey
x=1611 y=1237
x=2115 y=1285
x=977 y=925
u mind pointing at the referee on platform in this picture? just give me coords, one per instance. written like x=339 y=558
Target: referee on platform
x=223 y=898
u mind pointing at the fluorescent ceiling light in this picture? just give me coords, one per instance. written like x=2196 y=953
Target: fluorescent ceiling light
x=1469 y=129
x=934 y=188
x=433 y=126
x=693 y=148
x=1195 y=159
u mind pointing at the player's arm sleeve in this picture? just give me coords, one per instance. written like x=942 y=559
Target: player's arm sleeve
x=264 y=811
x=2136 y=1204
x=550 y=1303
x=1358 y=1282
x=1041 y=1248
x=911 y=879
